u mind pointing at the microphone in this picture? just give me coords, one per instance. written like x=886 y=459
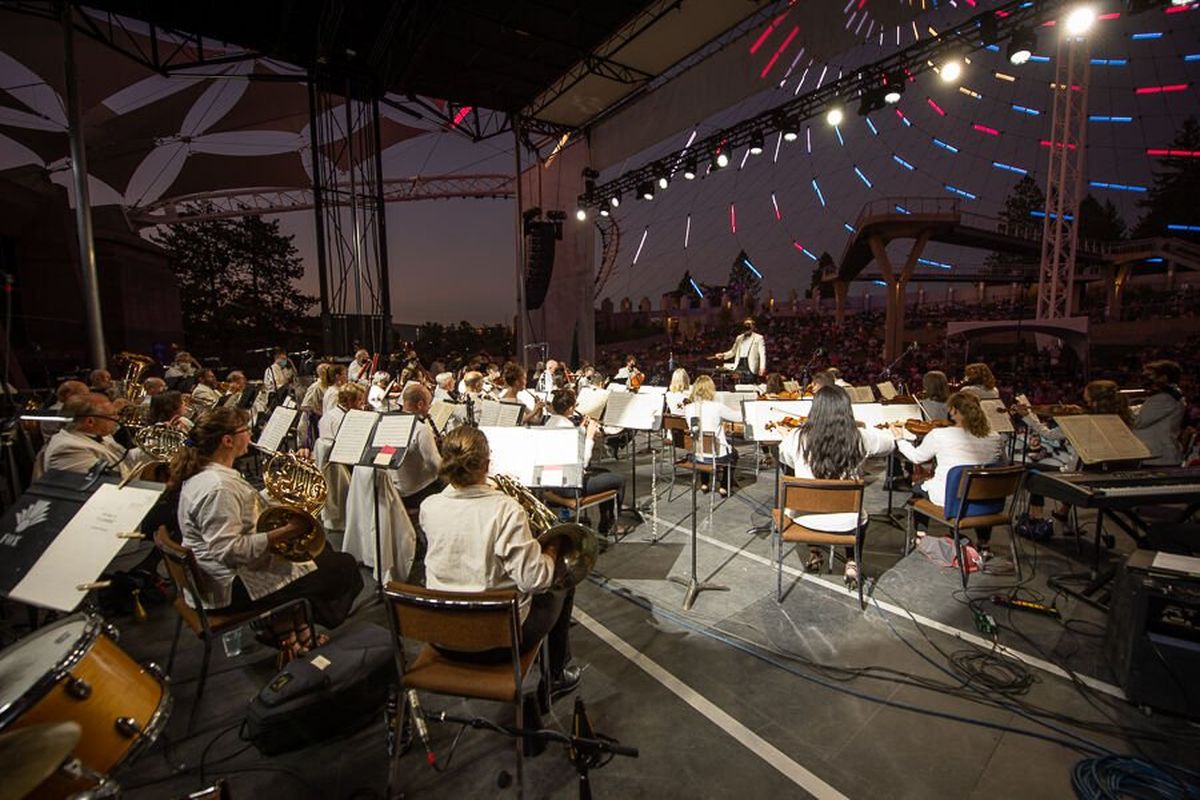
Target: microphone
x=421 y=725
x=820 y=351
x=912 y=348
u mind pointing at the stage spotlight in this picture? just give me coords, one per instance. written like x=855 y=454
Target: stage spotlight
x=1080 y=20
x=951 y=69
x=689 y=170
x=581 y=214
x=663 y=181
x=603 y=211
x=615 y=200
x=646 y=190
x=1020 y=47
x=834 y=116
x=721 y=160
x=871 y=100
x=791 y=132
x=756 y=143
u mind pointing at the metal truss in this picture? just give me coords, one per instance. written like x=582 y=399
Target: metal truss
x=259 y=202
x=475 y=123
x=1064 y=178
x=610 y=244
x=163 y=50
x=858 y=85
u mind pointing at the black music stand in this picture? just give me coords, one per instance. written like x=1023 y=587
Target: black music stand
x=693 y=584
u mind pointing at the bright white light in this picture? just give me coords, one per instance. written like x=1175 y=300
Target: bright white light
x=689 y=172
x=951 y=70
x=616 y=201
x=891 y=96
x=663 y=182
x=604 y=212
x=1019 y=57
x=581 y=214
x=1080 y=20
x=834 y=116
x=790 y=136
x=722 y=159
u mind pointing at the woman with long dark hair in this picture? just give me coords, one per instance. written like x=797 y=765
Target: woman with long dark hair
x=831 y=446
x=238 y=571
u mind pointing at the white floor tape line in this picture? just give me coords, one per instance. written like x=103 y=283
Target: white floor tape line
x=757 y=745
x=925 y=622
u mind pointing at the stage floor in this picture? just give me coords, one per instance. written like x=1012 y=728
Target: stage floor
x=741 y=696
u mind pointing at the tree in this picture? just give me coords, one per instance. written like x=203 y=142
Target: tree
x=1173 y=197
x=237 y=281
x=744 y=284
x=1099 y=222
x=1025 y=198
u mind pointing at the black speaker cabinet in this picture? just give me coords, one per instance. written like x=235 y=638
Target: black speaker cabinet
x=1153 y=636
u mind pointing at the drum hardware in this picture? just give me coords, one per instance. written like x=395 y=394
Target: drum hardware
x=78 y=688
x=127 y=727
x=87 y=587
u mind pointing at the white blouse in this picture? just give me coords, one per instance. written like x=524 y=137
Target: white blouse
x=952 y=447
x=875 y=443
x=712 y=415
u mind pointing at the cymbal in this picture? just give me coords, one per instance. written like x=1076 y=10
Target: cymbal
x=30 y=755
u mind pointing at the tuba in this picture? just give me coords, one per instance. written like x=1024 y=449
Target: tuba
x=299 y=488
x=136 y=365
x=577 y=543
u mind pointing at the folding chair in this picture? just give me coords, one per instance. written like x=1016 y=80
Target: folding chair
x=804 y=496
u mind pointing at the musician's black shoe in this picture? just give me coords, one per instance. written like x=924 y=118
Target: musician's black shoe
x=567 y=682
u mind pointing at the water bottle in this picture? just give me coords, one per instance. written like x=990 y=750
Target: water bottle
x=232 y=642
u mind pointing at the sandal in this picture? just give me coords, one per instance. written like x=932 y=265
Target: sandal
x=850 y=576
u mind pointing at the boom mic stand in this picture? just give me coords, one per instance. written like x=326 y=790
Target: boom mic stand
x=806 y=370
x=886 y=373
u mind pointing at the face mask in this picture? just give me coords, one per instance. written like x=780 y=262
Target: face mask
x=282 y=362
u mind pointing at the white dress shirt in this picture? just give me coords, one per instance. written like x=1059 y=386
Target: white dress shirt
x=77 y=452
x=479 y=539
x=217 y=512
x=276 y=377
x=358 y=373
x=982 y=392
x=875 y=443
x=712 y=415
x=206 y=395
x=330 y=400
x=420 y=464
x=953 y=447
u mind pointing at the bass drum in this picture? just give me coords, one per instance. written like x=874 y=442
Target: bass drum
x=71 y=671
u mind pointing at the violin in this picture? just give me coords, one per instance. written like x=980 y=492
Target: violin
x=784 y=396
x=920 y=427
x=787 y=423
x=636 y=379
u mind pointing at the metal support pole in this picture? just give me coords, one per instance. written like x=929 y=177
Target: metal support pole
x=319 y=218
x=385 y=292
x=519 y=328
x=83 y=202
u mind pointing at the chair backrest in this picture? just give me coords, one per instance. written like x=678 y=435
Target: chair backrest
x=973 y=491
x=181 y=567
x=814 y=496
x=465 y=621
x=677 y=427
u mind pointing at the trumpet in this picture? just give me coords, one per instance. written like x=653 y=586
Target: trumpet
x=299 y=488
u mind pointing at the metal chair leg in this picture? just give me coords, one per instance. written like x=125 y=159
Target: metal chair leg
x=174 y=645
x=961 y=551
x=200 y=683
x=862 y=575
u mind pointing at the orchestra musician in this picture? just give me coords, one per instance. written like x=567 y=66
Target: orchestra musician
x=377 y=395
x=626 y=372
x=677 y=391
x=444 y=388
x=205 y=391
x=237 y=570
x=480 y=539
x=66 y=390
x=1159 y=420
x=936 y=390
x=88 y=437
x=748 y=355
x=100 y=381
x=182 y=370
x=594 y=480
x=312 y=405
x=969 y=442
x=152 y=386
x=417 y=476
x=236 y=381
x=167 y=409
x=774 y=387
x=514 y=390
x=336 y=380
x=277 y=381
x=547 y=381
x=712 y=416
x=979 y=381
x=830 y=445
x=359 y=370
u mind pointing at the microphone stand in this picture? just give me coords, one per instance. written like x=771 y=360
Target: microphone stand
x=806 y=371
x=886 y=373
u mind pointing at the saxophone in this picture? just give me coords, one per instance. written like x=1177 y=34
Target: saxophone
x=299 y=488
x=577 y=543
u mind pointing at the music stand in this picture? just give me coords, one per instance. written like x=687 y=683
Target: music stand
x=59 y=536
x=636 y=412
x=880 y=414
x=540 y=458
x=693 y=584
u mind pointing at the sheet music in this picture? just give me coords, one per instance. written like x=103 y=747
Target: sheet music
x=870 y=414
x=860 y=394
x=352 y=437
x=1188 y=565
x=791 y=386
x=635 y=411
x=511 y=453
x=441 y=411
x=276 y=428
x=645 y=389
x=734 y=400
x=899 y=412
x=394 y=430
x=1102 y=437
x=998 y=418
x=758 y=413
x=591 y=401
x=82 y=549
x=887 y=390
x=557 y=447
x=495 y=414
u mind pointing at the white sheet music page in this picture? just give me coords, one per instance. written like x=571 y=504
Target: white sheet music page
x=394 y=430
x=441 y=412
x=353 y=436
x=899 y=412
x=509 y=414
x=511 y=453
x=887 y=390
x=84 y=547
x=997 y=416
x=557 y=447
x=734 y=400
x=276 y=428
x=641 y=412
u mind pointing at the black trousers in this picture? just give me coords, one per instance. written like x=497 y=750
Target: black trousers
x=601 y=480
x=330 y=589
x=550 y=617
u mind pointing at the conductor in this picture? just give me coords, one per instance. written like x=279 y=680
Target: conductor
x=748 y=356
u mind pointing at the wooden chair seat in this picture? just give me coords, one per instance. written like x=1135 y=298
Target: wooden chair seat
x=577 y=504
x=938 y=514
x=434 y=672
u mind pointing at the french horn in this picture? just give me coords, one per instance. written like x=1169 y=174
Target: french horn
x=577 y=544
x=159 y=444
x=299 y=489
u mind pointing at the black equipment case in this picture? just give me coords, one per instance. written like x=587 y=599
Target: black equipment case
x=334 y=690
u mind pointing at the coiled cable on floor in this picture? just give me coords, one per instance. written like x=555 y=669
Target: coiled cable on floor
x=1115 y=777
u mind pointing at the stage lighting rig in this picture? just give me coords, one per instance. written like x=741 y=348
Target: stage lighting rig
x=1020 y=46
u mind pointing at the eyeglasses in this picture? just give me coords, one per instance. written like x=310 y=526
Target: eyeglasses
x=243 y=429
